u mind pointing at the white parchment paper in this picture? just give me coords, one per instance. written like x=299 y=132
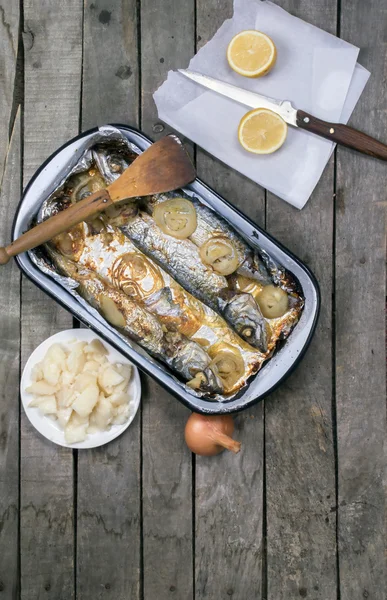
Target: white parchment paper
x=317 y=71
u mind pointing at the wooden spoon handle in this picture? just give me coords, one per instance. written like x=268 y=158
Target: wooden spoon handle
x=64 y=220
x=342 y=134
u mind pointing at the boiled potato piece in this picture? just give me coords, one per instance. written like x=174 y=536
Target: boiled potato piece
x=78 y=347
x=37 y=372
x=84 y=380
x=125 y=371
x=75 y=433
x=67 y=378
x=91 y=366
x=273 y=301
x=77 y=419
x=122 y=414
x=51 y=371
x=65 y=396
x=56 y=355
x=85 y=402
x=41 y=388
x=76 y=361
x=119 y=398
x=108 y=378
x=96 y=347
x=64 y=415
x=46 y=404
x=102 y=415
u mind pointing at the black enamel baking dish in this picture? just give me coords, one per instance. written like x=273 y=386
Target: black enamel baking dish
x=273 y=372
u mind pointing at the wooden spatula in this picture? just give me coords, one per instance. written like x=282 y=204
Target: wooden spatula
x=163 y=167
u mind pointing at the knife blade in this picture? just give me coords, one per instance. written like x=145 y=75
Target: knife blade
x=283 y=109
x=335 y=132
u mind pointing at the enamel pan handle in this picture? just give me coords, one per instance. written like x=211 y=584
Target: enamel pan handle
x=342 y=134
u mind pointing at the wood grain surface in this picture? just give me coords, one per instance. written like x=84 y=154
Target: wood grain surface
x=229 y=488
x=53 y=56
x=110 y=63
x=343 y=135
x=300 y=459
x=167 y=42
x=9 y=42
x=300 y=511
x=9 y=377
x=360 y=321
x=109 y=478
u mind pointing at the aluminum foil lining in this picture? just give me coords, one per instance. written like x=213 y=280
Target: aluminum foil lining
x=89 y=153
x=82 y=161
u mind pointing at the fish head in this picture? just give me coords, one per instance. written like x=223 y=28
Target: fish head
x=193 y=362
x=112 y=159
x=245 y=315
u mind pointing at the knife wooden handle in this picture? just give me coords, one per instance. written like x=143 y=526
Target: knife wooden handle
x=342 y=134
x=64 y=220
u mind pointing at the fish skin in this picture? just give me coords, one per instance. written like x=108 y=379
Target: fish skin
x=180 y=258
x=183 y=355
x=158 y=292
x=210 y=225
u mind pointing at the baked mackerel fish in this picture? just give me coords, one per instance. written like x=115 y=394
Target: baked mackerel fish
x=221 y=247
x=182 y=355
x=181 y=259
x=124 y=267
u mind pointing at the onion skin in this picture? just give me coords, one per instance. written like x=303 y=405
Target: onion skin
x=210 y=435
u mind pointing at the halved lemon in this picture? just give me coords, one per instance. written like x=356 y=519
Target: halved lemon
x=262 y=131
x=251 y=53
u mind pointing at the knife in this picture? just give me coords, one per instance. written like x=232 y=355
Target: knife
x=335 y=132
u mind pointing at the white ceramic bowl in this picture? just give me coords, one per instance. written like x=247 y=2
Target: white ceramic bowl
x=50 y=429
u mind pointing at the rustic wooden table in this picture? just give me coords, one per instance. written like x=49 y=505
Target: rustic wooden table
x=299 y=513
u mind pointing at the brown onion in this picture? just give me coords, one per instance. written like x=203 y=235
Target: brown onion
x=210 y=435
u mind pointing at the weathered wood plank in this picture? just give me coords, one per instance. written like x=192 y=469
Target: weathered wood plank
x=300 y=463
x=53 y=56
x=9 y=376
x=229 y=488
x=360 y=322
x=9 y=39
x=109 y=478
x=110 y=92
x=167 y=42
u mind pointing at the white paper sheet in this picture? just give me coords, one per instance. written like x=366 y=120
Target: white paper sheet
x=315 y=70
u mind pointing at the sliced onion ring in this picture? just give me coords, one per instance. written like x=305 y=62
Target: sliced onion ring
x=230 y=366
x=219 y=253
x=176 y=217
x=86 y=184
x=273 y=302
x=71 y=243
